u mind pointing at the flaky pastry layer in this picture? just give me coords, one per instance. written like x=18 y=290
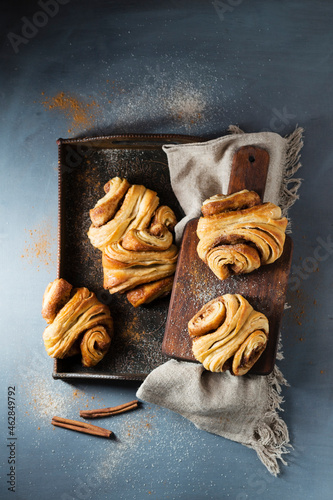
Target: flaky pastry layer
x=228 y=333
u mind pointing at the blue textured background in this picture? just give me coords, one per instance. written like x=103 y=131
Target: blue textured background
x=171 y=67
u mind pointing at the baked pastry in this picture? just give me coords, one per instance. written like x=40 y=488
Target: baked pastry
x=81 y=323
x=135 y=236
x=136 y=211
x=55 y=297
x=142 y=240
x=94 y=345
x=229 y=334
x=107 y=206
x=165 y=216
x=145 y=294
x=126 y=269
x=238 y=233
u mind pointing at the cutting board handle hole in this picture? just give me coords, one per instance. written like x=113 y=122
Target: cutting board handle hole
x=252 y=159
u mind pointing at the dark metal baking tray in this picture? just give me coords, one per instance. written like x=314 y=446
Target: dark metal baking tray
x=85 y=165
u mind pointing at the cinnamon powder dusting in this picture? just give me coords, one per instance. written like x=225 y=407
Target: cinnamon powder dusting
x=43 y=399
x=82 y=114
x=131 y=333
x=39 y=245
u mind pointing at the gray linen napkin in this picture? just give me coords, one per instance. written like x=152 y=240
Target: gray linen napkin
x=243 y=409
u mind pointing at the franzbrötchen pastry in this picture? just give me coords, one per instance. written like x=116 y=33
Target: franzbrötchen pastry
x=135 y=236
x=228 y=334
x=78 y=321
x=237 y=233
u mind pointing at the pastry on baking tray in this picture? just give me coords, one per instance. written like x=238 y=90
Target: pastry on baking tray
x=94 y=345
x=228 y=333
x=126 y=269
x=81 y=323
x=135 y=212
x=238 y=233
x=107 y=206
x=135 y=236
x=142 y=240
x=144 y=294
x=55 y=297
x=163 y=216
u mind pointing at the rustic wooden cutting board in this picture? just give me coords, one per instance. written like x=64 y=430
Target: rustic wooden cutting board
x=195 y=284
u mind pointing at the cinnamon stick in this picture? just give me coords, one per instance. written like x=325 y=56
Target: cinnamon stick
x=107 y=412
x=75 y=425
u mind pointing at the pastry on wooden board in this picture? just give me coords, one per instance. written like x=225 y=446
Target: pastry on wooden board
x=135 y=236
x=81 y=323
x=228 y=334
x=237 y=233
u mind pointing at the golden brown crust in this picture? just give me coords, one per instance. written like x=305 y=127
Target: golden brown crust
x=164 y=216
x=135 y=212
x=106 y=207
x=235 y=201
x=126 y=269
x=94 y=345
x=145 y=211
x=266 y=211
x=146 y=293
x=228 y=334
x=56 y=295
x=115 y=229
x=225 y=260
x=141 y=240
x=249 y=352
x=118 y=253
x=241 y=240
x=82 y=313
x=208 y=318
x=137 y=243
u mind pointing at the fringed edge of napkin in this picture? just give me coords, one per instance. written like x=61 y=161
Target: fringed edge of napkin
x=271 y=437
x=290 y=184
x=271 y=433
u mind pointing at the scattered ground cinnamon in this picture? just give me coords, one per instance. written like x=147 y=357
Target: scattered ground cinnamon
x=144 y=424
x=130 y=330
x=186 y=104
x=39 y=246
x=298 y=302
x=82 y=114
